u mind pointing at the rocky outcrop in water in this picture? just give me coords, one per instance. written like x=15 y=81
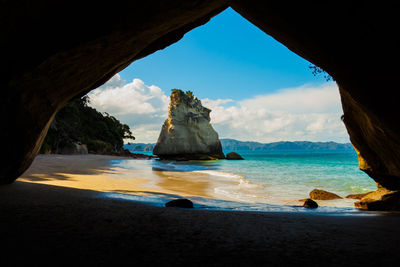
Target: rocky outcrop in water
x=357 y=196
x=187 y=132
x=318 y=194
x=234 y=156
x=381 y=199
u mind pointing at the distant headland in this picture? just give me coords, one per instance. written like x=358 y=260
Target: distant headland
x=236 y=145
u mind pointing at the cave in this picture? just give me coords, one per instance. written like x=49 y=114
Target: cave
x=53 y=52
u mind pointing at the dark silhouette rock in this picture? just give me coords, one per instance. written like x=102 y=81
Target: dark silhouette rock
x=310 y=204
x=318 y=194
x=370 y=113
x=71 y=57
x=180 y=203
x=233 y=156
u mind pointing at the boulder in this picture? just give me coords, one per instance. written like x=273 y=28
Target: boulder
x=357 y=196
x=180 y=203
x=381 y=199
x=76 y=148
x=233 y=156
x=318 y=194
x=310 y=204
x=187 y=132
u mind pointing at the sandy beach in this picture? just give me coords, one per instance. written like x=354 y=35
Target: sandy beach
x=44 y=221
x=94 y=172
x=141 y=177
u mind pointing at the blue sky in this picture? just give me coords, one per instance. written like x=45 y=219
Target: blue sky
x=257 y=89
x=227 y=57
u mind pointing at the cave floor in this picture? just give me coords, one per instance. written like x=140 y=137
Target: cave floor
x=64 y=226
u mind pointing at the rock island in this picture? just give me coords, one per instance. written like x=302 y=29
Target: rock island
x=187 y=133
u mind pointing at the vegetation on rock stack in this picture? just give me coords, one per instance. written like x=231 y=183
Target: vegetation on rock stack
x=79 y=123
x=187 y=133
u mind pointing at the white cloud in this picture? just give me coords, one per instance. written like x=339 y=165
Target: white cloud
x=143 y=107
x=305 y=113
x=130 y=98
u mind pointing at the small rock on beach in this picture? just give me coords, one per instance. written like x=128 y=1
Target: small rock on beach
x=310 y=204
x=180 y=203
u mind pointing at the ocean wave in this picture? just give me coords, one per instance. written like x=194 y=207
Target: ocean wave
x=247 y=184
x=236 y=194
x=242 y=183
x=220 y=174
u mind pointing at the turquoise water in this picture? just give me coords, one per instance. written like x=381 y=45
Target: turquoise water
x=276 y=178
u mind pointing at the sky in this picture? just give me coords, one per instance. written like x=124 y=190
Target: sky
x=257 y=89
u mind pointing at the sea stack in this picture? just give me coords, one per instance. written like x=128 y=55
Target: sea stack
x=187 y=133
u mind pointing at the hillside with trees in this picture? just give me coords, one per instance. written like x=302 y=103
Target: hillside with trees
x=78 y=123
x=235 y=145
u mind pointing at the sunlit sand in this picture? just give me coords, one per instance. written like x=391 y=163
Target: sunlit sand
x=94 y=172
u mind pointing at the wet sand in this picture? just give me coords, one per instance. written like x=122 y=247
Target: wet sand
x=64 y=226
x=94 y=172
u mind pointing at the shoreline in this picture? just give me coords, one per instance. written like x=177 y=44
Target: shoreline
x=150 y=184
x=96 y=172
x=82 y=227
x=76 y=226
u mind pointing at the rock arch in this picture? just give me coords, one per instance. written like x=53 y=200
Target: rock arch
x=53 y=51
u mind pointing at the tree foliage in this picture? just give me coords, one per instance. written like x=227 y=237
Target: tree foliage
x=189 y=94
x=79 y=123
x=316 y=71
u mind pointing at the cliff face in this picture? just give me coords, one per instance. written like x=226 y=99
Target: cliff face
x=187 y=132
x=70 y=57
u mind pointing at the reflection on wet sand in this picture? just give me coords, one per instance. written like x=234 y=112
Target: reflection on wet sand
x=184 y=182
x=95 y=172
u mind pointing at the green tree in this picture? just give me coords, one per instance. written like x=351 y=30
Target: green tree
x=77 y=122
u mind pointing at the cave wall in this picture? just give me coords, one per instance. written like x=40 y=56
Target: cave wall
x=355 y=43
x=55 y=50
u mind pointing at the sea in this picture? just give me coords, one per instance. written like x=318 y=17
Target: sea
x=263 y=181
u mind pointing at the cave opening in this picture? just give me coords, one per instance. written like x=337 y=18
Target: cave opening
x=266 y=104
x=55 y=51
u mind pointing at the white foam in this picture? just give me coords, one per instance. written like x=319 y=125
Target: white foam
x=236 y=194
x=220 y=174
x=247 y=184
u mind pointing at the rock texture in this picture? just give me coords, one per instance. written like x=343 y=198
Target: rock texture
x=381 y=199
x=357 y=196
x=318 y=194
x=187 y=132
x=77 y=148
x=366 y=87
x=48 y=58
